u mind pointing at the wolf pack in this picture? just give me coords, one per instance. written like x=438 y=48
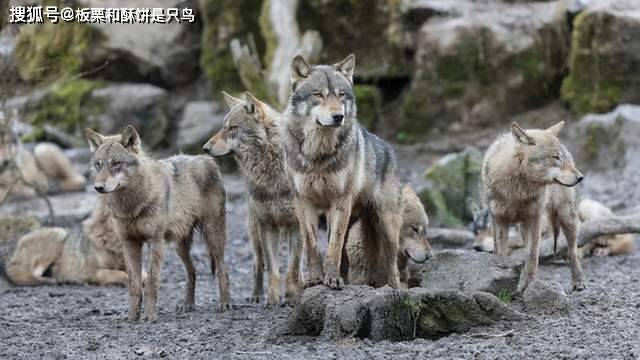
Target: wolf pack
x=314 y=161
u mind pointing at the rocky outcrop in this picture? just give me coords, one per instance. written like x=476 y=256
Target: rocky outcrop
x=389 y=314
x=200 y=121
x=480 y=67
x=545 y=297
x=604 y=66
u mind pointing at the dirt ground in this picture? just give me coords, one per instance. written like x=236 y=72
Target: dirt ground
x=89 y=322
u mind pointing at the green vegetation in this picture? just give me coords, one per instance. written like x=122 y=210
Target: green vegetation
x=505 y=296
x=369 y=103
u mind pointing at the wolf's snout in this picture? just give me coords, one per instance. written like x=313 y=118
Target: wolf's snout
x=337 y=118
x=100 y=189
x=580 y=178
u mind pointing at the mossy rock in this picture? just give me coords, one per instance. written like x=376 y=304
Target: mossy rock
x=63 y=106
x=369 y=101
x=436 y=207
x=456 y=176
x=370 y=29
x=224 y=20
x=53 y=51
x=12 y=228
x=599 y=62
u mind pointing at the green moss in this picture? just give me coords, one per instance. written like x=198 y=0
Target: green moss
x=369 y=102
x=62 y=106
x=505 y=296
x=51 y=51
x=435 y=205
x=591 y=144
x=223 y=21
x=591 y=86
x=13 y=227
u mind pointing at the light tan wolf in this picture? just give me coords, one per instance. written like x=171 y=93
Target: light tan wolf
x=525 y=176
x=251 y=132
x=155 y=201
x=414 y=245
x=49 y=256
x=338 y=168
x=45 y=169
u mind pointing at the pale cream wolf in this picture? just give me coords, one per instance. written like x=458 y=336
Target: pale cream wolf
x=155 y=201
x=251 y=132
x=525 y=176
x=606 y=245
x=414 y=244
x=45 y=169
x=340 y=169
x=50 y=256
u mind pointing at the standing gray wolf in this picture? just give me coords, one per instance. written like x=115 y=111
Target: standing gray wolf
x=46 y=168
x=55 y=255
x=414 y=244
x=340 y=169
x=152 y=201
x=251 y=132
x=524 y=177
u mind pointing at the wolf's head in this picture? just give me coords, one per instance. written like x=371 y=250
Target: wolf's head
x=546 y=160
x=481 y=228
x=115 y=159
x=246 y=124
x=413 y=233
x=323 y=95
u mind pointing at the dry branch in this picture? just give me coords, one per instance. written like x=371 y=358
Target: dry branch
x=609 y=226
x=451 y=237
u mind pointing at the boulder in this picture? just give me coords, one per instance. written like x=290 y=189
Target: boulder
x=606 y=147
x=388 y=314
x=482 y=66
x=162 y=54
x=469 y=271
x=604 y=65
x=456 y=176
x=200 y=120
x=545 y=297
x=69 y=208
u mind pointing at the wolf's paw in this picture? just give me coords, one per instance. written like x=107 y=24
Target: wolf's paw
x=185 y=307
x=334 y=282
x=291 y=300
x=149 y=316
x=224 y=307
x=578 y=286
x=132 y=317
x=255 y=299
x=312 y=281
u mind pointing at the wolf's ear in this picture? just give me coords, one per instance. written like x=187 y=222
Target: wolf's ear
x=253 y=106
x=130 y=139
x=230 y=100
x=347 y=66
x=300 y=70
x=94 y=139
x=555 y=129
x=520 y=135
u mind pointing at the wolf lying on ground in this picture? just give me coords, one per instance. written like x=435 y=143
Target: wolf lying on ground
x=414 y=245
x=339 y=168
x=251 y=134
x=46 y=168
x=49 y=256
x=525 y=176
x=154 y=201
x=607 y=245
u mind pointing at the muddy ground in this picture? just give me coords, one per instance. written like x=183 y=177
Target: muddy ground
x=89 y=322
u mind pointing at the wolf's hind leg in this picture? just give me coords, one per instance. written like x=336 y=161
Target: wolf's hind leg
x=569 y=224
x=501 y=237
x=133 y=259
x=108 y=277
x=389 y=237
x=293 y=279
x=215 y=236
x=183 y=248
x=55 y=164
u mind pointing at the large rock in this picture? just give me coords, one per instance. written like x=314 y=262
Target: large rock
x=163 y=54
x=200 y=120
x=484 y=65
x=545 y=297
x=607 y=148
x=69 y=209
x=468 y=271
x=389 y=314
x=456 y=176
x=604 y=66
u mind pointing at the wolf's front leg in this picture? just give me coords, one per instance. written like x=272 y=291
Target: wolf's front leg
x=500 y=237
x=133 y=258
x=389 y=238
x=270 y=248
x=532 y=230
x=156 y=258
x=338 y=224
x=258 y=259
x=569 y=226
x=308 y=220
x=293 y=280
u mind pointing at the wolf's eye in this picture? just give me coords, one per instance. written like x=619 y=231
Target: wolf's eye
x=115 y=163
x=416 y=229
x=232 y=128
x=98 y=164
x=556 y=157
x=341 y=94
x=318 y=94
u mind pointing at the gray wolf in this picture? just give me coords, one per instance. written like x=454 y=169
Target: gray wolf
x=49 y=256
x=414 y=245
x=340 y=169
x=525 y=176
x=155 y=201
x=45 y=169
x=251 y=132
